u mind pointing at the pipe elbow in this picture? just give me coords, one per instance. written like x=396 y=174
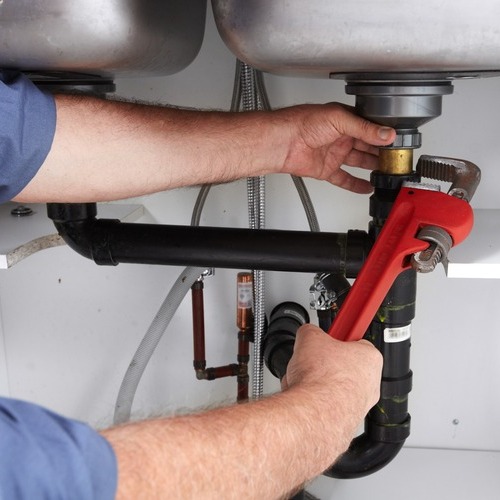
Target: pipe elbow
x=76 y=237
x=364 y=457
x=371 y=451
x=78 y=227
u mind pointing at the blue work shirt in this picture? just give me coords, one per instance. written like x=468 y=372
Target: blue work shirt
x=27 y=127
x=42 y=455
x=45 y=456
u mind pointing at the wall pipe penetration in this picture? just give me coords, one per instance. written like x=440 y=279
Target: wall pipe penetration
x=110 y=242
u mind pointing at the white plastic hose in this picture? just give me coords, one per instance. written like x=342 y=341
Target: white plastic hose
x=150 y=341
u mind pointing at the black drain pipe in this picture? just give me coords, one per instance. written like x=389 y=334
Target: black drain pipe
x=279 y=338
x=110 y=242
x=387 y=424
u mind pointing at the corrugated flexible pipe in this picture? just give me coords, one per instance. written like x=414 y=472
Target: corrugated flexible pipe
x=256 y=213
x=162 y=319
x=150 y=341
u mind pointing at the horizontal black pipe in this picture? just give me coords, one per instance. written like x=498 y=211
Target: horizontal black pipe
x=109 y=242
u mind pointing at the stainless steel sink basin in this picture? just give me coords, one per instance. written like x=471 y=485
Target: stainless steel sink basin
x=328 y=37
x=101 y=37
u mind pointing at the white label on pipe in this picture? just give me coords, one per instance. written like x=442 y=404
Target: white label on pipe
x=245 y=295
x=398 y=334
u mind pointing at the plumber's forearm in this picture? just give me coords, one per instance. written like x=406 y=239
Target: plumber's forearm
x=258 y=450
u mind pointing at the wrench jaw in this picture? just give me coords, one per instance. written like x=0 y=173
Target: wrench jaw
x=440 y=243
x=392 y=252
x=463 y=175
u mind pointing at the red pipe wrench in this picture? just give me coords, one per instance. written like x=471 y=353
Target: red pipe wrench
x=413 y=210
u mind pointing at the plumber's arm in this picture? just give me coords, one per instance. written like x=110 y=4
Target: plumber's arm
x=262 y=449
x=104 y=150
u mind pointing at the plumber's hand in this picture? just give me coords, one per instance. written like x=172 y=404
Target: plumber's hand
x=346 y=374
x=323 y=138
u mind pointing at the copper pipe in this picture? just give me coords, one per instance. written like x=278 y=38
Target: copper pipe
x=244 y=346
x=243 y=382
x=243 y=359
x=244 y=321
x=218 y=372
x=199 y=361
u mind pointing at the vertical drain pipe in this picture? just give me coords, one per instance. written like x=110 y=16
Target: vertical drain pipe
x=387 y=424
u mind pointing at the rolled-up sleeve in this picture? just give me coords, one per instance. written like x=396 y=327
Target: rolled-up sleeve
x=27 y=127
x=44 y=455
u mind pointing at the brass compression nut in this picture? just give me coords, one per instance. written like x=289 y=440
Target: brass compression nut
x=395 y=161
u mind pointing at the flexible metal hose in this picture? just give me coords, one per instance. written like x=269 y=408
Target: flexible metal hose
x=254 y=96
x=262 y=97
x=199 y=204
x=264 y=104
x=312 y=219
x=256 y=216
x=248 y=87
x=256 y=212
x=236 y=97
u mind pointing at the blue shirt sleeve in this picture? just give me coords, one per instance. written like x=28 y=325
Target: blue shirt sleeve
x=46 y=456
x=27 y=127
